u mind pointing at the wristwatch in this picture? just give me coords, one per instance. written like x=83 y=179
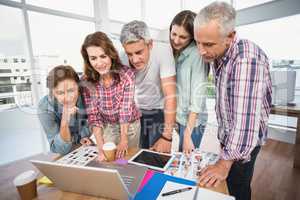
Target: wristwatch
x=165 y=138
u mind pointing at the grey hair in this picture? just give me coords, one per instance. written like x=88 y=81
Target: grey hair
x=223 y=12
x=134 y=31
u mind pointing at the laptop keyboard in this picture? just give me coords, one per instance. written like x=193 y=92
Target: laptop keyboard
x=127 y=180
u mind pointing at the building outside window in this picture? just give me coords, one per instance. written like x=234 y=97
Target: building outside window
x=6 y=88
x=23 y=87
x=5 y=70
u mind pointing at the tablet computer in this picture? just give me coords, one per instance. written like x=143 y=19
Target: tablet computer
x=152 y=159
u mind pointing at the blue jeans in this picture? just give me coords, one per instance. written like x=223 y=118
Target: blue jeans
x=152 y=126
x=196 y=135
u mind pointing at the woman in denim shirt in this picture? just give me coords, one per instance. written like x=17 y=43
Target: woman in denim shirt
x=62 y=113
x=191 y=75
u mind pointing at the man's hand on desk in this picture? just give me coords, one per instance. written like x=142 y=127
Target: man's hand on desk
x=213 y=175
x=163 y=145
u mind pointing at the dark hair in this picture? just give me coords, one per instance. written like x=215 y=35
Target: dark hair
x=100 y=39
x=59 y=74
x=185 y=19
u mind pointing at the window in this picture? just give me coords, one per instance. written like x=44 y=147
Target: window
x=22 y=78
x=56 y=39
x=6 y=89
x=196 y=5
x=124 y=11
x=5 y=81
x=23 y=87
x=241 y=4
x=286 y=28
x=83 y=7
x=12 y=37
x=8 y=100
x=52 y=38
x=5 y=71
x=286 y=48
x=156 y=15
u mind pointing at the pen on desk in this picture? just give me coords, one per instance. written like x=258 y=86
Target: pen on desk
x=176 y=191
x=196 y=193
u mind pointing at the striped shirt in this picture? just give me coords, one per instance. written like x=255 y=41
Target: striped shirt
x=243 y=99
x=113 y=104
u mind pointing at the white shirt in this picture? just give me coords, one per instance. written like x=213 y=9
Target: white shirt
x=148 y=90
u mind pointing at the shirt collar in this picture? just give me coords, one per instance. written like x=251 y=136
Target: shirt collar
x=228 y=53
x=186 y=52
x=100 y=84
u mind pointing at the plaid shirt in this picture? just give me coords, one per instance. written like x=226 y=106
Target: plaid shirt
x=243 y=99
x=114 y=104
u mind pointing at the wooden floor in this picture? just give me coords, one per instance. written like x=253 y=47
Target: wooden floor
x=274 y=176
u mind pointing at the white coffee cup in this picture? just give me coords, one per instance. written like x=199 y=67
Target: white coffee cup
x=26 y=185
x=109 y=149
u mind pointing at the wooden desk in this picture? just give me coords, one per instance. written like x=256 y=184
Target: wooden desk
x=291 y=111
x=10 y=171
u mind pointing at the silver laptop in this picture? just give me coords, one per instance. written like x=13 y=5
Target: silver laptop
x=102 y=180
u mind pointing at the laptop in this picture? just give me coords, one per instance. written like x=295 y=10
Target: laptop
x=96 y=179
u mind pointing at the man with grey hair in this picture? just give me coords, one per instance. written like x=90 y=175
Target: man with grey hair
x=243 y=97
x=155 y=85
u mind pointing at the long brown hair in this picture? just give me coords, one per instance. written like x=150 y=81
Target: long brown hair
x=100 y=39
x=185 y=19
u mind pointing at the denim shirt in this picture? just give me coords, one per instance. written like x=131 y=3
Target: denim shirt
x=191 y=76
x=50 y=115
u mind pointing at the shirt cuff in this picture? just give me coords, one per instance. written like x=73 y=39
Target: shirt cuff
x=234 y=155
x=85 y=132
x=91 y=126
x=124 y=120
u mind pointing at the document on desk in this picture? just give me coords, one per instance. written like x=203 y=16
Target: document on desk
x=202 y=193
x=211 y=195
x=172 y=186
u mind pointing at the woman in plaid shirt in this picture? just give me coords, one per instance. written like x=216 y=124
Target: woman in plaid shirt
x=108 y=91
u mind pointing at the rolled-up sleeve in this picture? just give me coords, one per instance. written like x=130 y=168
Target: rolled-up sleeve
x=198 y=85
x=85 y=132
x=127 y=103
x=246 y=86
x=90 y=100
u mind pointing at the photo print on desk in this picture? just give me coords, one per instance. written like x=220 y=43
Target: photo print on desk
x=80 y=157
x=189 y=167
